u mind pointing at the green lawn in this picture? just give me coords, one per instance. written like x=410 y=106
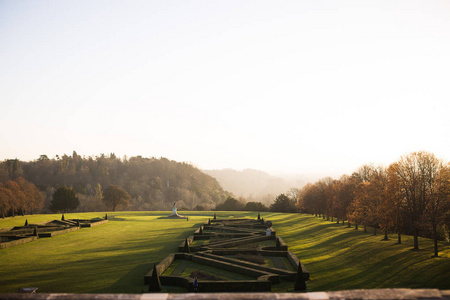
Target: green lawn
x=342 y=258
x=113 y=258
x=110 y=258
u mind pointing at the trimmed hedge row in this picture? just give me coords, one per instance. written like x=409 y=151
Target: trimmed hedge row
x=239 y=232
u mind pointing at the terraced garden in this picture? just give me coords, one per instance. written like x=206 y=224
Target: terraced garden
x=234 y=247
x=115 y=257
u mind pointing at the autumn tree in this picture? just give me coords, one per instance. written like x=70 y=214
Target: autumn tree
x=330 y=196
x=34 y=198
x=323 y=187
x=114 y=196
x=395 y=207
x=439 y=192
x=5 y=201
x=379 y=195
x=307 y=199
x=365 y=206
x=17 y=198
x=360 y=207
x=417 y=175
x=64 y=200
x=345 y=193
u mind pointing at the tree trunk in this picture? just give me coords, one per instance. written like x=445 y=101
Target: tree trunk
x=399 y=241
x=385 y=235
x=436 y=252
x=332 y=219
x=365 y=228
x=374 y=231
x=356 y=226
x=337 y=220
x=348 y=224
x=416 y=240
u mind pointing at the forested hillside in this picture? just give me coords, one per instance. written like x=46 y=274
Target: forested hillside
x=153 y=184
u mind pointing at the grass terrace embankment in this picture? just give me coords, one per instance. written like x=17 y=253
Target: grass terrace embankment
x=341 y=258
x=113 y=258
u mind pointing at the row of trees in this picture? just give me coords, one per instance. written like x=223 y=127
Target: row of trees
x=19 y=196
x=282 y=203
x=410 y=196
x=232 y=204
x=65 y=199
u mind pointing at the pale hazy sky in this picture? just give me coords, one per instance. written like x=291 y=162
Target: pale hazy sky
x=280 y=86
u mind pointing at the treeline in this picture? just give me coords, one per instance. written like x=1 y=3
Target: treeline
x=410 y=196
x=152 y=183
x=281 y=203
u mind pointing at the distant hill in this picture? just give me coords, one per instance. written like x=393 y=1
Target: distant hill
x=254 y=185
x=153 y=183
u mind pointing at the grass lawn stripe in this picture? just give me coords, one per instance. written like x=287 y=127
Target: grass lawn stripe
x=269 y=262
x=114 y=257
x=179 y=269
x=223 y=274
x=278 y=263
x=287 y=264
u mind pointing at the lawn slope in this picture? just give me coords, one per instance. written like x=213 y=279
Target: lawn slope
x=113 y=258
x=343 y=258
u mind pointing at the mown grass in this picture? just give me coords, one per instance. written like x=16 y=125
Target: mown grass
x=114 y=258
x=110 y=258
x=343 y=258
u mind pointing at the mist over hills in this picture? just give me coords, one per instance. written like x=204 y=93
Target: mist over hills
x=153 y=183
x=255 y=185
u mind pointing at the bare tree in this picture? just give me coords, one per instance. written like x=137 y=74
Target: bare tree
x=417 y=176
x=439 y=204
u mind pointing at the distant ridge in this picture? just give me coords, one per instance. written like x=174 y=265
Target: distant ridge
x=255 y=185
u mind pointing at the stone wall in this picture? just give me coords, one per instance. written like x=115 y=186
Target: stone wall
x=379 y=294
x=18 y=242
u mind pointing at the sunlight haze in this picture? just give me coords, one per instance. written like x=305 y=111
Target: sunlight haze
x=279 y=86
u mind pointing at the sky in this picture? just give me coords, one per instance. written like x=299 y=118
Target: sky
x=293 y=87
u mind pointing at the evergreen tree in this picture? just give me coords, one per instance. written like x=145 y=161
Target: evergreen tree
x=283 y=204
x=64 y=199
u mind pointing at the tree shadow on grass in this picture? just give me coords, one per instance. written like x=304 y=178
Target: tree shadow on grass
x=113 y=219
x=131 y=282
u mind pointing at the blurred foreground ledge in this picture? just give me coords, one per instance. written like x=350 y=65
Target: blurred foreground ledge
x=375 y=294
